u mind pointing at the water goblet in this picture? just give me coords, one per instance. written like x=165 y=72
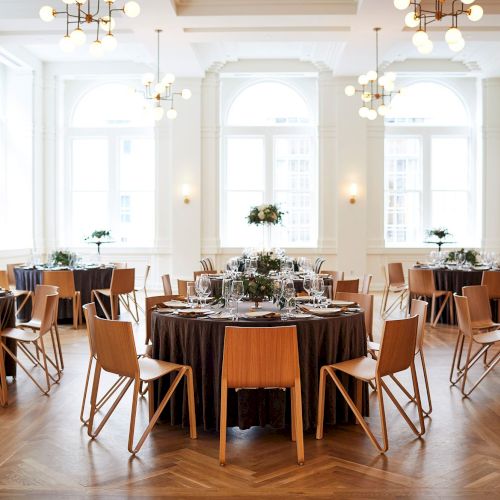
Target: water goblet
x=288 y=294
x=307 y=284
x=237 y=292
x=191 y=295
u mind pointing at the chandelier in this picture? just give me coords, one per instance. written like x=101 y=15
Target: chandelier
x=86 y=12
x=376 y=91
x=161 y=90
x=420 y=17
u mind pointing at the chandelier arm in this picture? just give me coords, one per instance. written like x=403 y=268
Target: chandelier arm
x=158 y=31
x=97 y=10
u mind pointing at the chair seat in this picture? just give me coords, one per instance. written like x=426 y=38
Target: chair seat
x=363 y=368
x=487 y=337
x=373 y=346
x=440 y=293
x=482 y=325
x=103 y=291
x=398 y=288
x=152 y=369
x=20 y=293
x=21 y=335
x=143 y=349
x=32 y=323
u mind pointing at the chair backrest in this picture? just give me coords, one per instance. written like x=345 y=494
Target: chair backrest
x=122 y=281
x=49 y=305
x=207 y=264
x=115 y=347
x=147 y=270
x=397 y=347
x=119 y=265
x=479 y=303
x=41 y=291
x=463 y=314
x=317 y=264
x=365 y=285
x=365 y=301
x=419 y=308
x=351 y=286
x=395 y=274
x=151 y=303
x=492 y=280
x=182 y=286
x=336 y=275
x=10 y=273
x=64 y=280
x=4 y=280
x=89 y=310
x=199 y=273
x=167 y=285
x=261 y=357
x=421 y=282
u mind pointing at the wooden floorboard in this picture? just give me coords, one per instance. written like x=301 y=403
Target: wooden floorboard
x=46 y=453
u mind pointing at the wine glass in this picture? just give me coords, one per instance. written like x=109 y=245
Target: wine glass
x=191 y=294
x=252 y=268
x=226 y=292
x=206 y=287
x=288 y=294
x=307 y=284
x=237 y=292
x=461 y=259
x=277 y=291
x=318 y=287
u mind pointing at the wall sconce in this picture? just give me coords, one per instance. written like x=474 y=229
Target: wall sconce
x=186 y=193
x=353 y=193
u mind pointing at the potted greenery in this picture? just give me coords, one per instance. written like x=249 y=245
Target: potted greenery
x=258 y=288
x=471 y=256
x=63 y=258
x=98 y=237
x=440 y=233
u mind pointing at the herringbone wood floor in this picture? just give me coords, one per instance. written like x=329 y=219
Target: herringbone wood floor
x=46 y=453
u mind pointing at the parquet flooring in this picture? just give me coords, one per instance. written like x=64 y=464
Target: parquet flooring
x=46 y=453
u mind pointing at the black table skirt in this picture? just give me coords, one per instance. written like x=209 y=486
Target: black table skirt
x=8 y=320
x=200 y=342
x=86 y=280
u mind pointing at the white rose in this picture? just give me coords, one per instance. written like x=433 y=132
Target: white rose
x=261 y=215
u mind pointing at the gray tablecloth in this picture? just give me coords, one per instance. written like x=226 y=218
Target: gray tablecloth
x=8 y=320
x=199 y=343
x=86 y=280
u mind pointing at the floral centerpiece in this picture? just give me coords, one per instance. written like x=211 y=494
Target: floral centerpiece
x=265 y=214
x=63 y=258
x=471 y=256
x=258 y=288
x=267 y=262
x=99 y=234
x=440 y=233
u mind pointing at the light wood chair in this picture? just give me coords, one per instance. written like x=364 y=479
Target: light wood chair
x=318 y=263
x=151 y=304
x=351 y=286
x=147 y=270
x=116 y=353
x=394 y=283
x=182 y=286
x=37 y=315
x=397 y=353
x=485 y=341
x=23 y=339
x=27 y=294
x=199 y=273
x=167 y=284
x=365 y=285
x=4 y=280
x=365 y=301
x=207 y=264
x=480 y=307
x=65 y=281
x=492 y=280
x=122 y=286
x=119 y=265
x=262 y=358
x=421 y=285
x=335 y=275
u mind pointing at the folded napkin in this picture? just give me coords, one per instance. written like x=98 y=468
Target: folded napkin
x=317 y=311
x=263 y=315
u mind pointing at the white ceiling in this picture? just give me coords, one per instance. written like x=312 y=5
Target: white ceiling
x=199 y=33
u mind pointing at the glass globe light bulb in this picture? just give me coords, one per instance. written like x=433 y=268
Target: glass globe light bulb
x=96 y=49
x=81 y=2
x=168 y=79
x=426 y=48
x=390 y=75
x=366 y=97
x=475 y=13
x=107 y=24
x=363 y=112
x=401 y=4
x=382 y=81
x=457 y=46
x=171 y=114
x=350 y=90
x=69 y=2
x=158 y=113
x=109 y=42
x=467 y=2
x=186 y=94
x=411 y=20
x=78 y=37
x=159 y=88
x=382 y=110
x=372 y=114
x=419 y=38
x=66 y=44
x=148 y=78
x=389 y=86
x=363 y=80
x=132 y=9
x=371 y=75
x=47 y=13
x=453 y=35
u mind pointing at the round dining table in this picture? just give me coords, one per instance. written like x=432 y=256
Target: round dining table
x=8 y=320
x=199 y=342
x=86 y=280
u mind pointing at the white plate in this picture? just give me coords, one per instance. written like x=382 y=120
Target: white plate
x=343 y=303
x=194 y=312
x=328 y=311
x=176 y=304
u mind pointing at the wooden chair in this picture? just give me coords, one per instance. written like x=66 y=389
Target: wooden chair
x=182 y=286
x=421 y=285
x=480 y=307
x=116 y=353
x=262 y=357
x=151 y=304
x=23 y=339
x=351 y=286
x=167 y=285
x=199 y=273
x=122 y=286
x=317 y=264
x=37 y=315
x=65 y=281
x=394 y=283
x=335 y=275
x=397 y=353
x=119 y=265
x=365 y=285
x=27 y=294
x=485 y=340
x=207 y=264
x=492 y=280
x=147 y=270
x=365 y=301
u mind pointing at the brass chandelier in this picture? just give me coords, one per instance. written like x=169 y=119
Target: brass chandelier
x=376 y=91
x=420 y=17
x=89 y=12
x=162 y=90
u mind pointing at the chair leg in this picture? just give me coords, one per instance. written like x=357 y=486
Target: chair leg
x=191 y=403
x=95 y=296
x=441 y=309
x=4 y=395
x=433 y=310
x=299 y=431
x=223 y=423
x=84 y=399
x=44 y=358
x=151 y=399
x=427 y=387
x=457 y=355
x=292 y=412
x=321 y=403
x=133 y=414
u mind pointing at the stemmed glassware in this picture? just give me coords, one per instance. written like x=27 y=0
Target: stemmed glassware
x=307 y=284
x=237 y=292
x=191 y=295
x=317 y=288
x=277 y=292
x=226 y=292
x=288 y=294
x=203 y=287
x=233 y=265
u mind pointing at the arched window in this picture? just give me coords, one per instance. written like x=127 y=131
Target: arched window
x=430 y=178
x=269 y=143
x=112 y=157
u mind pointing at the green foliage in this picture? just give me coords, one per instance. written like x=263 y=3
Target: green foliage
x=258 y=287
x=267 y=262
x=265 y=214
x=471 y=256
x=439 y=232
x=98 y=234
x=63 y=258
